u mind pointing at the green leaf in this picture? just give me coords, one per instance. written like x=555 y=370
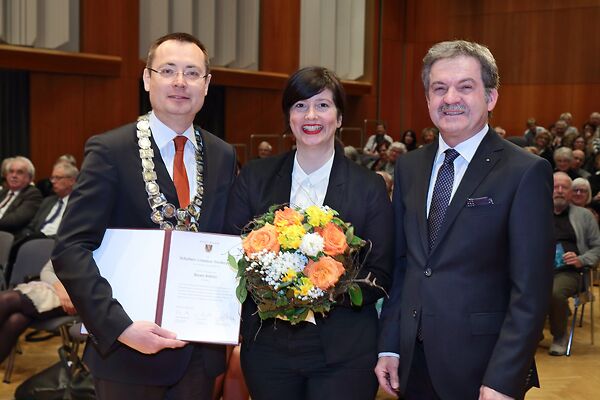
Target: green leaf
x=232 y=262
x=241 y=291
x=356 y=297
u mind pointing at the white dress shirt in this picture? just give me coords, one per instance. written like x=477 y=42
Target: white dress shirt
x=163 y=136
x=51 y=228
x=310 y=189
x=5 y=207
x=466 y=151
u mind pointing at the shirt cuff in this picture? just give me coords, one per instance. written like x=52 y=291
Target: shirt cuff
x=388 y=354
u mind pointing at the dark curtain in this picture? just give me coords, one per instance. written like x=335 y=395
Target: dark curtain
x=212 y=115
x=14 y=113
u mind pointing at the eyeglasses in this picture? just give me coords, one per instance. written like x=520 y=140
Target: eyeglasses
x=57 y=178
x=580 y=190
x=170 y=73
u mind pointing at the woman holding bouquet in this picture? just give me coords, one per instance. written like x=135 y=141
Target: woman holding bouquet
x=333 y=356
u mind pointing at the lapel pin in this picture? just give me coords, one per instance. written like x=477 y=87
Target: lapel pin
x=487 y=159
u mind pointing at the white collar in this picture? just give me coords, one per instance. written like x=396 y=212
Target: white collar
x=315 y=177
x=163 y=135
x=467 y=148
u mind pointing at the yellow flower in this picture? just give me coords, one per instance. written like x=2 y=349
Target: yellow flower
x=303 y=287
x=317 y=216
x=290 y=236
x=289 y=275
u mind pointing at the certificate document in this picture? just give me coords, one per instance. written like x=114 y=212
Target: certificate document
x=180 y=280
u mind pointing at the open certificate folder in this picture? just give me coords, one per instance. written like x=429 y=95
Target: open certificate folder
x=180 y=280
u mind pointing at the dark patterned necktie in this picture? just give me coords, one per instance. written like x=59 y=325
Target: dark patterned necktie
x=52 y=217
x=441 y=196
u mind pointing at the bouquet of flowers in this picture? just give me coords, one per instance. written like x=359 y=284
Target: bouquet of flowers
x=296 y=262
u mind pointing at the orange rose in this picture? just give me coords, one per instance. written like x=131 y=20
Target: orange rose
x=334 y=239
x=324 y=273
x=264 y=238
x=287 y=216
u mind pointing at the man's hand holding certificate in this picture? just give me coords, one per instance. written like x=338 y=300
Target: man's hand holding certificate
x=179 y=280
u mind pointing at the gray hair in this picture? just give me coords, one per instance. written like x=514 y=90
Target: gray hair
x=456 y=48
x=398 y=146
x=564 y=152
x=585 y=184
x=69 y=169
x=26 y=161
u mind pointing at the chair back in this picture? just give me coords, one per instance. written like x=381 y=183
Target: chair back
x=6 y=241
x=31 y=257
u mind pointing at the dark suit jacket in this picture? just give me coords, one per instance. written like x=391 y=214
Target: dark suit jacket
x=482 y=292
x=21 y=210
x=360 y=197
x=40 y=216
x=110 y=193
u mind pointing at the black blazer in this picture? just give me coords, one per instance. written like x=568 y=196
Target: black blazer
x=40 y=216
x=110 y=193
x=21 y=210
x=483 y=291
x=360 y=197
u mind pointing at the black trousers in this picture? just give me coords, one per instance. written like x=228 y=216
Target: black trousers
x=195 y=384
x=289 y=363
x=419 y=386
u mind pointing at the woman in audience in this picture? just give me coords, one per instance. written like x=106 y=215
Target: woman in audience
x=542 y=142
x=409 y=138
x=334 y=357
x=581 y=192
x=381 y=158
x=31 y=301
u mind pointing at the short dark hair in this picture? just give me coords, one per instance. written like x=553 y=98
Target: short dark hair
x=180 y=37
x=309 y=81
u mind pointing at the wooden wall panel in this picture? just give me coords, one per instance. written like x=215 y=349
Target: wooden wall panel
x=279 y=35
x=57 y=119
x=547 y=53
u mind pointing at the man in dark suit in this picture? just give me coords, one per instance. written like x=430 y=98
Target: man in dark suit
x=19 y=201
x=474 y=246
x=134 y=177
x=46 y=221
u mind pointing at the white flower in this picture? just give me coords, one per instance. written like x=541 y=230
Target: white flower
x=312 y=244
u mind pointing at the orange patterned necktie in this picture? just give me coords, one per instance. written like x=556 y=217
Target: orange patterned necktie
x=180 y=177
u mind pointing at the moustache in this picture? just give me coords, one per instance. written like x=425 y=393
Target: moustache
x=452 y=107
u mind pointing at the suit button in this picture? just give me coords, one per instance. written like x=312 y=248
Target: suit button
x=414 y=313
x=427 y=272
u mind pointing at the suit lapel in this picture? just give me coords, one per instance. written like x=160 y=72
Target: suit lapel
x=282 y=183
x=336 y=193
x=486 y=156
x=426 y=168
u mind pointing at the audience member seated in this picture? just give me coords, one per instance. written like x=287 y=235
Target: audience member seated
x=595 y=122
x=568 y=118
x=577 y=245
x=389 y=181
x=581 y=192
x=4 y=171
x=531 y=131
x=352 y=153
x=19 y=201
x=44 y=185
x=36 y=300
x=376 y=139
x=543 y=142
x=265 y=149
x=409 y=138
x=595 y=177
x=578 y=163
x=502 y=132
x=563 y=158
x=377 y=163
x=428 y=135
x=395 y=151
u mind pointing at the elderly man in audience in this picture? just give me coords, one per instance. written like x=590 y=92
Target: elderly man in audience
x=19 y=201
x=578 y=162
x=568 y=118
x=563 y=159
x=265 y=149
x=375 y=140
x=577 y=245
x=531 y=131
